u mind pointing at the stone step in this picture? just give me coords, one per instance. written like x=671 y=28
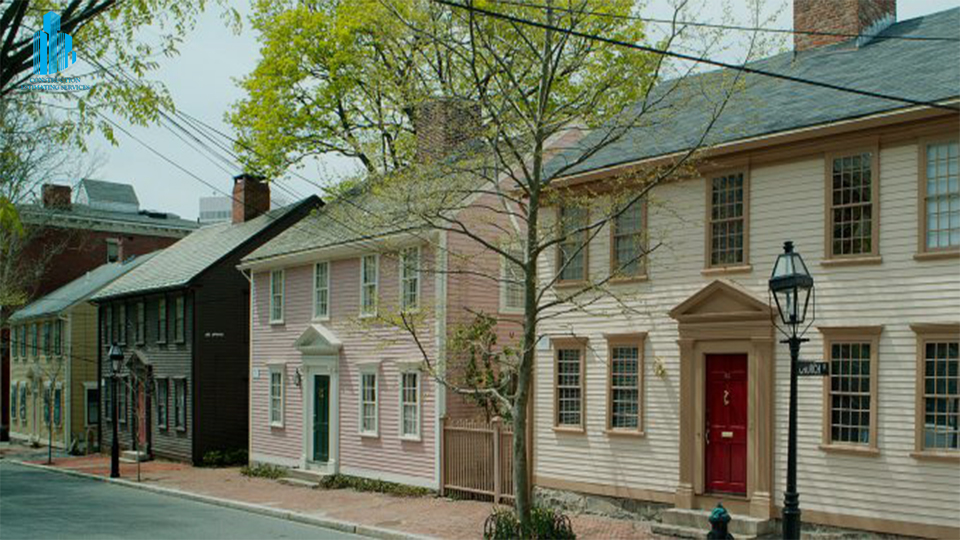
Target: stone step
x=740 y=526
x=305 y=475
x=298 y=482
x=677 y=531
x=129 y=456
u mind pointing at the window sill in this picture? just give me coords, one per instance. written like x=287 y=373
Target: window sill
x=569 y=429
x=725 y=270
x=411 y=438
x=626 y=280
x=852 y=261
x=625 y=433
x=324 y=318
x=276 y=322
x=276 y=426
x=854 y=450
x=571 y=284
x=936 y=255
x=182 y=429
x=369 y=435
x=510 y=311
x=927 y=455
x=367 y=315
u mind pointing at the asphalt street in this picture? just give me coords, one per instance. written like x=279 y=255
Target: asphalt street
x=41 y=504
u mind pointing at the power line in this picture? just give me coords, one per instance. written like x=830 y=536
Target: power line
x=741 y=28
x=691 y=58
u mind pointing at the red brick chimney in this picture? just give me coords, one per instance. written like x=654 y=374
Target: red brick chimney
x=848 y=17
x=442 y=124
x=251 y=197
x=55 y=196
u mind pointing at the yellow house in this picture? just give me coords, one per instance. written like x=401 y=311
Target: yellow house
x=54 y=391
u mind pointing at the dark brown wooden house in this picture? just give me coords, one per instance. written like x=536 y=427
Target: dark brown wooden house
x=182 y=321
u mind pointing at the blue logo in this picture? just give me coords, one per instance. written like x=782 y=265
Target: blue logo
x=52 y=50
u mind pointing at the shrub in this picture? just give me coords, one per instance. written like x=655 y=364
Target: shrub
x=263 y=471
x=545 y=524
x=225 y=458
x=342 y=481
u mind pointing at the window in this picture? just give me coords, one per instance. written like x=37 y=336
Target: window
x=851 y=395
x=57 y=404
x=276 y=395
x=938 y=389
x=628 y=243
x=940 y=196
x=321 y=290
x=163 y=387
x=107 y=385
x=122 y=325
x=625 y=384
x=410 y=279
x=113 y=250
x=34 y=340
x=727 y=200
x=46 y=403
x=162 y=321
x=276 y=296
x=108 y=333
x=572 y=250
x=368 y=284
x=368 y=403
x=852 y=221
x=47 y=338
x=123 y=396
x=23 y=402
x=141 y=323
x=512 y=281
x=178 y=321
x=23 y=342
x=14 y=394
x=92 y=404
x=180 y=403
x=410 y=405
x=569 y=387
x=58 y=337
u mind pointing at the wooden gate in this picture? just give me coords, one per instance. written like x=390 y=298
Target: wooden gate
x=477 y=459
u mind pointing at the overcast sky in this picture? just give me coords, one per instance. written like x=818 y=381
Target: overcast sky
x=202 y=82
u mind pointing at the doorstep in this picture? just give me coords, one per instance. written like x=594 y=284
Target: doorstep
x=686 y=523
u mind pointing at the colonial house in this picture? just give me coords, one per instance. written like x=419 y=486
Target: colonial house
x=54 y=384
x=679 y=401
x=181 y=322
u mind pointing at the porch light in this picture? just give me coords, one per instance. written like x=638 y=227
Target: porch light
x=116 y=358
x=791 y=285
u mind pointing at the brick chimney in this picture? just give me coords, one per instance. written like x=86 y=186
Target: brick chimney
x=839 y=17
x=55 y=196
x=251 y=197
x=442 y=124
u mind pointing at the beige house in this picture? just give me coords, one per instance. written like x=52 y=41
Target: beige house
x=679 y=400
x=53 y=368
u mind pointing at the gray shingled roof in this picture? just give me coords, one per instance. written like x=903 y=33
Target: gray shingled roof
x=919 y=70
x=109 y=192
x=38 y=215
x=178 y=264
x=78 y=290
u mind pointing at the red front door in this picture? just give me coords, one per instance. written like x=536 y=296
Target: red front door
x=726 y=449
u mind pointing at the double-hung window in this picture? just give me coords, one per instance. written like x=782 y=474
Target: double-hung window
x=14 y=394
x=23 y=342
x=852 y=220
x=47 y=338
x=123 y=396
x=850 y=408
x=410 y=279
x=727 y=199
x=179 y=321
x=410 y=405
x=628 y=242
x=57 y=404
x=940 y=196
x=108 y=397
x=276 y=296
x=369 y=270
x=572 y=249
x=58 y=337
x=180 y=403
x=938 y=390
x=141 y=328
x=369 y=413
x=625 y=384
x=569 y=386
x=23 y=402
x=512 y=281
x=47 y=397
x=321 y=290
x=91 y=401
x=35 y=341
x=122 y=325
x=162 y=320
x=163 y=403
x=276 y=395
x=108 y=333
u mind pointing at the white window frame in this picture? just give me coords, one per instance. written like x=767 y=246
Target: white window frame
x=506 y=281
x=124 y=399
x=317 y=288
x=177 y=393
x=404 y=254
x=14 y=401
x=107 y=395
x=140 y=330
x=87 y=387
x=276 y=299
x=402 y=405
x=122 y=322
x=277 y=369
x=180 y=320
x=373 y=370
x=163 y=320
x=375 y=284
x=163 y=382
x=58 y=337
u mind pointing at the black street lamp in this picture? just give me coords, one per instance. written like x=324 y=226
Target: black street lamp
x=792 y=287
x=116 y=362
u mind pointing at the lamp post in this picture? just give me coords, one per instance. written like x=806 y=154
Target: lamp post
x=116 y=361
x=791 y=287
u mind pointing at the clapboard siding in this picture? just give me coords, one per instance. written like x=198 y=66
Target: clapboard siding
x=787 y=202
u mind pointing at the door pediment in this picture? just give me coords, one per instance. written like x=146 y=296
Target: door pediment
x=721 y=300
x=317 y=339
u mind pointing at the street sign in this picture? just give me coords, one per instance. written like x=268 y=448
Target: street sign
x=813 y=369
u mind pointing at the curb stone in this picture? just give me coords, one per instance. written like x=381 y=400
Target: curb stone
x=326 y=523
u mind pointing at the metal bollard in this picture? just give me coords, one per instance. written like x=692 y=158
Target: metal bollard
x=719 y=519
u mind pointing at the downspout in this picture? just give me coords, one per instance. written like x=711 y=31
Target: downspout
x=249 y=277
x=440 y=407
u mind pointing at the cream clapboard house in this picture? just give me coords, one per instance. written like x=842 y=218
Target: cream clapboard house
x=682 y=402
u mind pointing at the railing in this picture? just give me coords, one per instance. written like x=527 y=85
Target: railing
x=476 y=459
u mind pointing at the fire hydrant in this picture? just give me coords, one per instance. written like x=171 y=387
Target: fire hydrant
x=719 y=519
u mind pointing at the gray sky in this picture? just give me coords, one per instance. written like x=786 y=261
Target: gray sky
x=202 y=82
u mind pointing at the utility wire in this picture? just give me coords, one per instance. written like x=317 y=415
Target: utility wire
x=691 y=58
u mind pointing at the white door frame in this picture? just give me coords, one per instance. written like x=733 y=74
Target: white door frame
x=321 y=365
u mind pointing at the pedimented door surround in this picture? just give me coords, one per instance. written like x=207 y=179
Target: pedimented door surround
x=725 y=318
x=320 y=354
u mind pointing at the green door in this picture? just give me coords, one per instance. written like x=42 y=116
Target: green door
x=321 y=418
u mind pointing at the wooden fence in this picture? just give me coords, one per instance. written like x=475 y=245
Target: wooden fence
x=477 y=459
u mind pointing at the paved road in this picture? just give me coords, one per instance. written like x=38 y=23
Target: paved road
x=42 y=504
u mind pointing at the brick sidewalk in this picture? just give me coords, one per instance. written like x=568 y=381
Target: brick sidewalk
x=430 y=516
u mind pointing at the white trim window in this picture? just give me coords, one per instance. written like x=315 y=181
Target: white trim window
x=141 y=328
x=180 y=403
x=14 y=395
x=108 y=391
x=321 y=290
x=23 y=402
x=276 y=297
x=58 y=337
x=179 y=320
x=277 y=392
x=410 y=279
x=123 y=396
x=369 y=404
x=163 y=403
x=122 y=325
x=91 y=404
x=410 y=405
x=162 y=320
x=512 y=286
x=369 y=278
